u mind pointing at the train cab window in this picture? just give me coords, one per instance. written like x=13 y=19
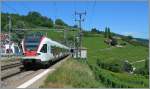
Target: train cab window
x=44 y=48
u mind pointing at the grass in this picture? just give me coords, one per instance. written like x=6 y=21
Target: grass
x=76 y=74
x=124 y=80
x=72 y=73
x=54 y=34
x=97 y=49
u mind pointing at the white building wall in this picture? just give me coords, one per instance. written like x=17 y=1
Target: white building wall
x=83 y=54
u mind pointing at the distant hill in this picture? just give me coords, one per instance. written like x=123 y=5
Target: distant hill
x=31 y=20
x=130 y=39
x=146 y=41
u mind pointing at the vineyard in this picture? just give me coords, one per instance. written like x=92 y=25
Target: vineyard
x=118 y=80
x=107 y=63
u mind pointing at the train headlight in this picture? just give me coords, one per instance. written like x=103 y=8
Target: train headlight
x=38 y=54
x=23 y=54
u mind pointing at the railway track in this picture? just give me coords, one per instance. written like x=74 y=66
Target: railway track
x=11 y=65
x=15 y=68
x=24 y=75
x=10 y=70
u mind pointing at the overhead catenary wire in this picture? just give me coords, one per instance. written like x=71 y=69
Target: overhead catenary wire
x=75 y=9
x=9 y=25
x=10 y=7
x=27 y=7
x=78 y=37
x=9 y=17
x=55 y=8
x=92 y=14
x=79 y=46
x=74 y=6
x=15 y=10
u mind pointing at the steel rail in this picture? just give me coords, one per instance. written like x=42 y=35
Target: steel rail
x=12 y=65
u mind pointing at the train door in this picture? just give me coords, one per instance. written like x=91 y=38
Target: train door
x=50 y=56
x=44 y=53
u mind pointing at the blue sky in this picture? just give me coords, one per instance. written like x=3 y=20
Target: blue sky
x=127 y=18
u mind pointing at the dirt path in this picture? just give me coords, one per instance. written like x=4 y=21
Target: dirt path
x=137 y=61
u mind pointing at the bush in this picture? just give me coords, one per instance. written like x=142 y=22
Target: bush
x=127 y=67
x=142 y=71
x=114 y=42
x=123 y=44
x=60 y=22
x=114 y=80
x=115 y=67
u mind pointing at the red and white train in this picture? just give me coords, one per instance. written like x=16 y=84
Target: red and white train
x=41 y=50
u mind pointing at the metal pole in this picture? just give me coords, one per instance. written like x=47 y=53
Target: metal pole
x=9 y=34
x=65 y=42
x=0 y=49
x=80 y=31
x=80 y=35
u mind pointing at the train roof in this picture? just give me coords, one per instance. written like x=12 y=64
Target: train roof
x=36 y=38
x=57 y=44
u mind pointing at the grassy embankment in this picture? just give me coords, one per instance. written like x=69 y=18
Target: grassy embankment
x=72 y=74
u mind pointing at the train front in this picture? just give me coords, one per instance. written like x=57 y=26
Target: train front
x=30 y=46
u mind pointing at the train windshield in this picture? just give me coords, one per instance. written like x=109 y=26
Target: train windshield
x=31 y=43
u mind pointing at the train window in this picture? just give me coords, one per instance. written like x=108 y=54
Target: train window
x=32 y=39
x=71 y=50
x=31 y=43
x=44 y=48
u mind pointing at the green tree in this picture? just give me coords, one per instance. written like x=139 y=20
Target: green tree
x=60 y=22
x=94 y=30
x=75 y=26
x=39 y=20
x=20 y=24
x=129 y=37
x=109 y=35
x=105 y=34
x=31 y=20
x=146 y=63
x=50 y=23
x=3 y=22
x=47 y=22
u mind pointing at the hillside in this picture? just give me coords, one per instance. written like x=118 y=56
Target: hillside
x=106 y=63
x=31 y=20
x=99 y=50
x=146 y=41
x=34 y=22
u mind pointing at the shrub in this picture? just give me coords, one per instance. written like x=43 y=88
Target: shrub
x=115 y=67
x=123 y=43
x=114 y=42
x=114 y=80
